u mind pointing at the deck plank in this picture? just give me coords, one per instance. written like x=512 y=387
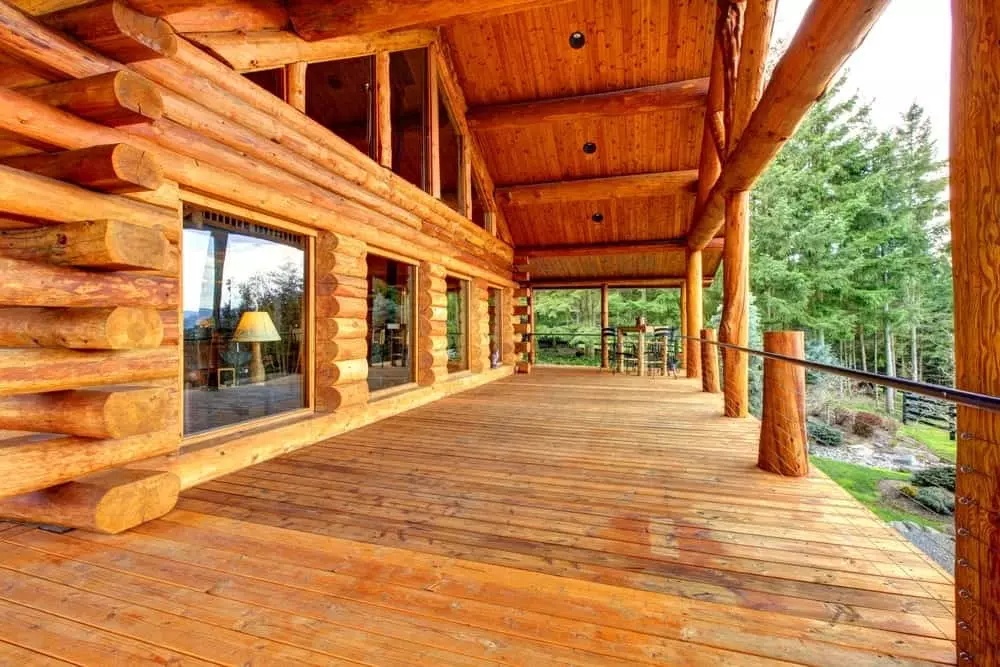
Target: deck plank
x=566 y=517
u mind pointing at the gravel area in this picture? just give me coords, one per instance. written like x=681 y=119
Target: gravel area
x=890 y=458
x=937 y=545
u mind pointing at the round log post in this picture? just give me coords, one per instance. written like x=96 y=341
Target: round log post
x=709 y=362
x=605 y=359
x=783 y=447
x=695 y=316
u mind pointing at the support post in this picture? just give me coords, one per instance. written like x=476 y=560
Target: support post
x=295 y=85
x=975 y=209
x=709 y=363
x=783 y=447
x=531 y=326
x=694 y=311
x=684 y=326
x=735 y=328
x=383 y=109
x=619 y=358
x=604 y=325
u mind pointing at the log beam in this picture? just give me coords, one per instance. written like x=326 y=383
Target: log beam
x=89 y=413
x=975 y=210
x=113 y=168
x=799 y=79
x=318 y=19
x=43 y=285
x=688 y=94
x=783 y=449
x=81 y=328
x=249 y=51
x=32 y=371
x=568 y=282
x=113 y=99
x=695 y=311
x=658 y=184
x=617 y=248
x=96 y=244
x=108 y=502
x=113 y=28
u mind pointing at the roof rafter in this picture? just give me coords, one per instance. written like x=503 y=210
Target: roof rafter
x=689 y=93
x=614 y=248
x=655 y=184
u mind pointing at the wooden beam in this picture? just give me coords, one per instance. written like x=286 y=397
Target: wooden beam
x=648 y=99
x=89 y=413
x=658 y=184
x=830 y=31
x=320 y=19
x=113 y=28
x=33 y=371
x=113 y=99
x=713 y=140
x=617 y=248
x=295 y=85
x=783 y=449
x=249 y=51
x=695 y=311
x=96 y=244
x=383 y=109
x=975 y=210
x=40 y=285
x=113 y=168
x=612 y=283
x=118 y=328
x=107 y=502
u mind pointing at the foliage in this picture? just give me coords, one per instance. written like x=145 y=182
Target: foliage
x=862 y=483
x=756 y=374
x=942 y=476
x=866 y=423
x=824 y=434
x=934 y=439
x=937 y=499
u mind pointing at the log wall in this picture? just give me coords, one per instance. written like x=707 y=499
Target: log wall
x=118 y=124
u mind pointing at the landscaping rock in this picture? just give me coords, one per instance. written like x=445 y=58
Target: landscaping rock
x=937 y=545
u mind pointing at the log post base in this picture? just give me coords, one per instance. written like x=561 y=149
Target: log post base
x=783 y=449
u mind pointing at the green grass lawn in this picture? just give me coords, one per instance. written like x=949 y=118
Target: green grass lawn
x=862 y=483
x=934 y=439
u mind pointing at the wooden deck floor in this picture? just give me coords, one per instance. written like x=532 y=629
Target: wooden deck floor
x=562 y=518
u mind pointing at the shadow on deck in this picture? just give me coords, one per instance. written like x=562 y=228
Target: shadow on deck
x=566 y=517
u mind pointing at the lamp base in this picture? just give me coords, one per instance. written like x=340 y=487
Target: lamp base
x=257 y=373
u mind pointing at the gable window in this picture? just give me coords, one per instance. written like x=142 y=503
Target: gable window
x=450 y=143
x=340 y=96
x=408 y=101
x=458 y=324
x=244 y=321
x=391 y=327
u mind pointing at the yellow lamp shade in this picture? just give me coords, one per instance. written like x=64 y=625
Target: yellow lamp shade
x=255 y=327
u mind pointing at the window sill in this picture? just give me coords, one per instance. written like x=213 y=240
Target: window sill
x=389 y=392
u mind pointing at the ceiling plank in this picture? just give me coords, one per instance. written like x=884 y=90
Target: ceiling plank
x=800 y=78
x=686 y=94
x=619 y=248
x=613 y=283
x=266 y=49
x=322 y=19
x=589 y=189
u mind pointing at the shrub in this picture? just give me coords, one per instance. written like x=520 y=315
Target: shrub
x=866 y=423
x=941 y=476
x=843 y=417
x=937 y=499
x=822 y=434
x=910 y=491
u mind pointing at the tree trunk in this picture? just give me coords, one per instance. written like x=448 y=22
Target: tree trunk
x=914 y=353
x=890 y=366
x=864 y=352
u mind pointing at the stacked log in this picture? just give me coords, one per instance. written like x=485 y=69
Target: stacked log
x=511 y=339
x=341 y=322
x=432 y=324
x=521 y=317
x=479 y=327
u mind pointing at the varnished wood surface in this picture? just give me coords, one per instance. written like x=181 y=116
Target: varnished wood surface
x=564 y=517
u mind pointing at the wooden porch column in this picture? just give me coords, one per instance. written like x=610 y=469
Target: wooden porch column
x=975 y=210
x=783 y=447
x=604 y=325
x=735 y=327
x=709 y=363
x=684 y=326
x=692 y=287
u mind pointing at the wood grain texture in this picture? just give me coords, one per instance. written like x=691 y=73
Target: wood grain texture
x=975 y=209
x=114 y=99
x=616 y=187
x=30 y=371
x=650 y=544
x=117 y=328
x=709 y=362
x=113 y=28
x=783 y=448
x=107 y=245
x=735 y=325
x=43 y=285
x=115 y=168
x=695 y=311
x=89 y=413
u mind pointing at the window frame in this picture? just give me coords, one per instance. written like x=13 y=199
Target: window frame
x=196 y=200
x=466 y=314
x=380 y=394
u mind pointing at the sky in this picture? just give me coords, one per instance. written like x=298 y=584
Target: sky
x=906 y=58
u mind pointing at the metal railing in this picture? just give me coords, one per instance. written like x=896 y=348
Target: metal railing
x=957 y=396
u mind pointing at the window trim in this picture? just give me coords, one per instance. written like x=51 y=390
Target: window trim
x=466 y=327
x=412 y=384
x=308 y=312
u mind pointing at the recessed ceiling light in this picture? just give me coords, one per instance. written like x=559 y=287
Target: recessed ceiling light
x=577 y=40
x=590 y=148
x=597 y=217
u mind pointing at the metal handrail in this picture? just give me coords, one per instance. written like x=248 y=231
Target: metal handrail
x=958 y=396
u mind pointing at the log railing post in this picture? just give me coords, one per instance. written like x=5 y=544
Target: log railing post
x=693 y=285
x=684 y=328
x=604 y=325
x=709 y=362
x=783 y=448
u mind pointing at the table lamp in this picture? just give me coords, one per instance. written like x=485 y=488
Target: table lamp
x=256 y=327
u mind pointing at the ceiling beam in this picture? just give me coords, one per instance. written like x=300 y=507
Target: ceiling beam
x=657 y=184
x=618 y=248
x=322 y=19
x=687 y=94
x=613 y=283
x=830 y=32
x=266 y=49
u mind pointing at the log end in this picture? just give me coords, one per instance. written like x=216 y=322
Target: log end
x=139 y=96
x=135 y=497
x=137 y=411
x=136 y=169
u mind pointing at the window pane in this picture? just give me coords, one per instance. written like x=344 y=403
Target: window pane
x=244 y=335
x=451 y=155
x=390 y=323
x=458 y=324
x=408 y=95
x=340 y=95
x=496 y=330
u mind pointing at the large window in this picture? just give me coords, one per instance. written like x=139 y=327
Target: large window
x=458 y=324
x=450 y=142
x=408 y=102
x=495 y=306
x=340 y=95
x=390 y=322
x=244 y=321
